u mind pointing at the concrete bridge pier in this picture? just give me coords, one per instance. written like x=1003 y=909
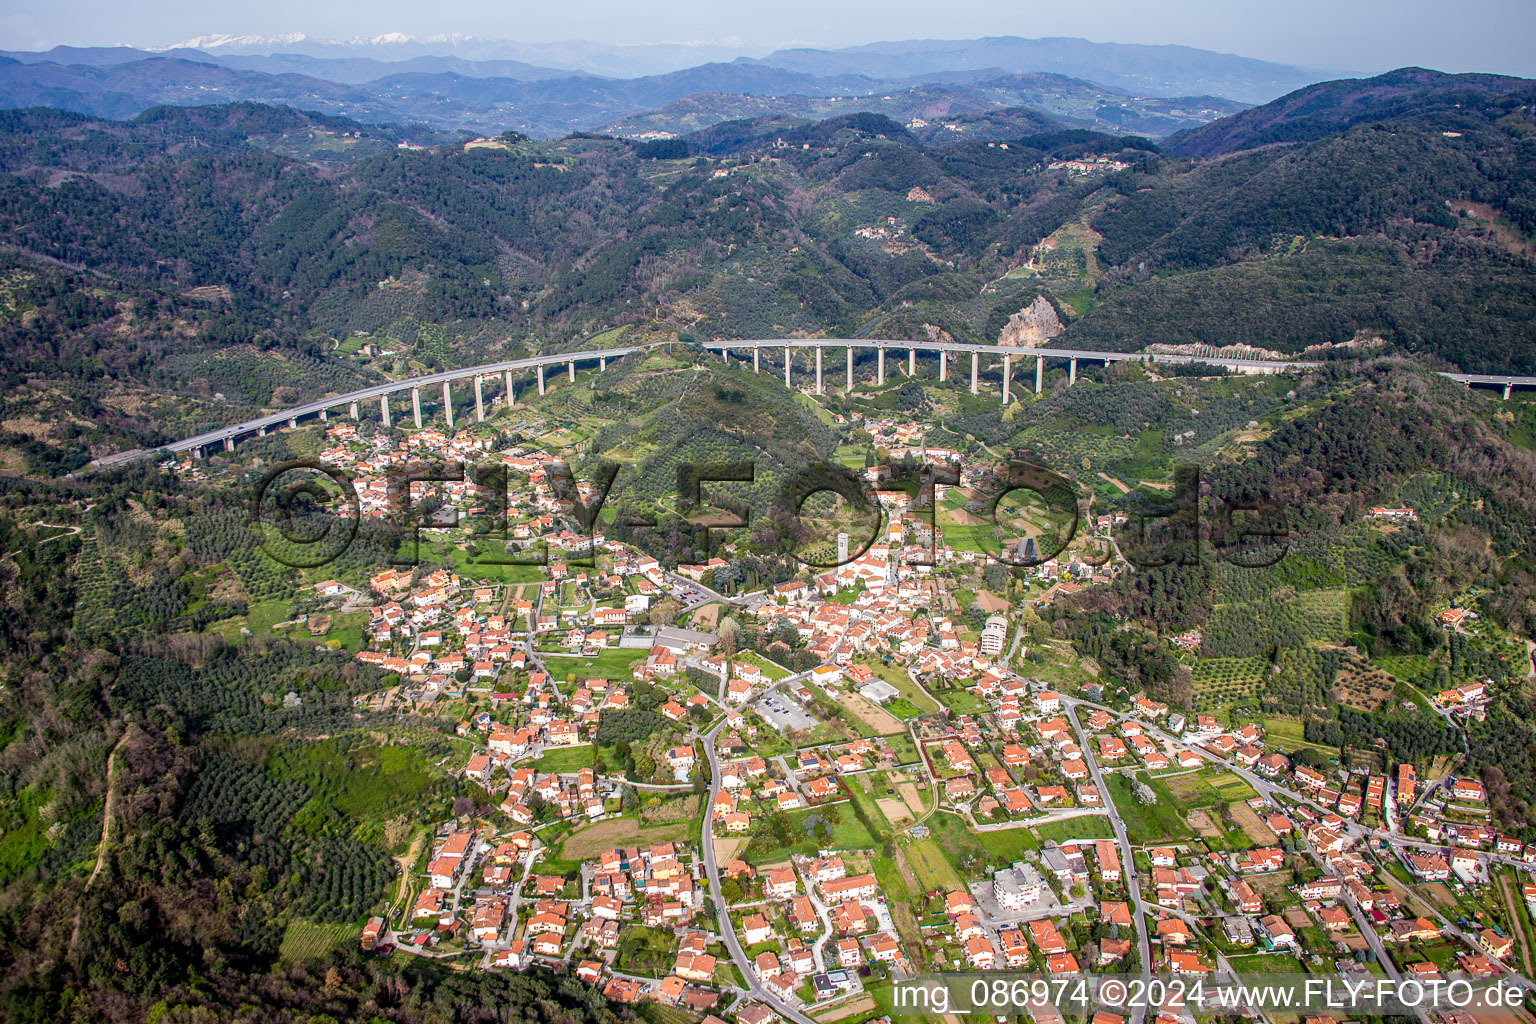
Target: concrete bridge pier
x=757 y=359
x=725 y=355
x=1508 y=387
x=570 y=369
x=506 y=381
x=880 y=367
x=384 y=410
x=325 y=414
x=602 y=364
x=448 y=403
x=1039 y=373
x=354 y=410
x=819 y=390
x=848 y=388
x=293 y=421
x=541 y=378
x=973 y=372
x=229 y=444
x=943 y=365
x=479 y=401
x=1006 y=358
x=911 y=362
x=1072 y=374
x=416 y=406
x=788 y=355
x=262 y=432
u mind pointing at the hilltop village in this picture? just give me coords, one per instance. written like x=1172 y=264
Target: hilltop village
x=776 y=802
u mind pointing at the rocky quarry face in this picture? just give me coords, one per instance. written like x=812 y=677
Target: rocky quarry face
x=1031 y=326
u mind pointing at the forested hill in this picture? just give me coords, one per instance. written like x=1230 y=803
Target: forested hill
x=1415 y=95
x=244 y=250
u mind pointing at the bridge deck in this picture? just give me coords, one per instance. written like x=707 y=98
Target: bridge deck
x=224 y=434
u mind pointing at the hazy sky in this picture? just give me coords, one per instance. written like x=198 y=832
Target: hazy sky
x=1363 y=35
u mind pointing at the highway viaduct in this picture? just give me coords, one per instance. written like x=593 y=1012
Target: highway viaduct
x=966 y=359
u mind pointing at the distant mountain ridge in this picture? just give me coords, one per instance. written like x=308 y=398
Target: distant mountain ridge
x=1139 y=69
x=1419 y=228
x=605 y=60
x=1136 y=68
x=991 y=108
x=538 y=102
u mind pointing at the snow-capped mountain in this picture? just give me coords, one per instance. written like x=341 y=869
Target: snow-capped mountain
x=615 y=61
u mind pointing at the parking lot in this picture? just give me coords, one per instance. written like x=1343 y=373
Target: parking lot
x=993 y=914
x=782 y=713
x=882 y=914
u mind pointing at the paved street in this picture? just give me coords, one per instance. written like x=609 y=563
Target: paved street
x=722 y=912
x=1127 y=856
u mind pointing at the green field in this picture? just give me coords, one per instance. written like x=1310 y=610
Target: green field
x=891 y=883
x=862 y=789
x=1290 y=734
x=25 y=837
x=1203 y=788
x=848 y=833
x=613 y=663
x=653 y=1012
x=984 y=537
x=354 y=779
x=347 y=638
x=1094 y=826
x=930 y=866
x=905 y=750
x=259 y=618
x=1250 y=964
x=564 y=759
x=962 y=702
x=1147 y=824
x=481 y=568
x=646 y=951
x=263 y=615
x=897 y=676
x=1407 y=667
x=770 y=670
x=1008 y=844
x=851 y=456
x=961 y=847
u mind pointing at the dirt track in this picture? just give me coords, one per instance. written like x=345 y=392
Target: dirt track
x=108 y=806
x=407 y=860
x=1513 y=908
